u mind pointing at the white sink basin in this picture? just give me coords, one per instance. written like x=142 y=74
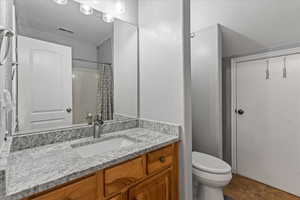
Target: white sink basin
x=103 y=146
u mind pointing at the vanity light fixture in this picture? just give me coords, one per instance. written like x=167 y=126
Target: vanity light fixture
x=86 y=9
x=61 y=2
x=95 y=1
x=107 y=18
x=120 y=6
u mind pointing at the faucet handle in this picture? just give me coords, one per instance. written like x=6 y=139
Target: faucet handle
x=101 y=116
x=99 y=119
x=89 y=118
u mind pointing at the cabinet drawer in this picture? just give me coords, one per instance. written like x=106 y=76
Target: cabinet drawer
x=123 y=175
x=160 y=159
x=85 y=189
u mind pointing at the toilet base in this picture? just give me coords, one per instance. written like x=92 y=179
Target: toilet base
x=209 y=193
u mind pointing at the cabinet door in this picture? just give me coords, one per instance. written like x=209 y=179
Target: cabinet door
x=121 y=176
x=85 y=189
x=118 y=197
x=54 y=195
x=155 y=188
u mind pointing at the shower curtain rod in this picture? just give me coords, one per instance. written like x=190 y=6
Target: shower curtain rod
x=90 y=61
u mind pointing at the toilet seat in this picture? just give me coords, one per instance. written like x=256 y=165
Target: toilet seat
x=209 y=164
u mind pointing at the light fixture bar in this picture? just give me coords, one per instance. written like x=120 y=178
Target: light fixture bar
x=107 y=18
x=86 y=9
x=61 y=2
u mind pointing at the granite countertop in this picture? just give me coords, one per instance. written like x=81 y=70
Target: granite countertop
x=35 y=170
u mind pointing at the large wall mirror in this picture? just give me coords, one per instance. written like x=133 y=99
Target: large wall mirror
x=73 y=63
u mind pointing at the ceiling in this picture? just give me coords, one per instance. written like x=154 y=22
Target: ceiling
x=45 y=15
x=249 y=26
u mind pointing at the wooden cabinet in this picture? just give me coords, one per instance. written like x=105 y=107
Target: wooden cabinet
x=160 y=159
x=85 y=189
x=118 y=197
x=118 y=177
x=158 y=187
x=54 y=195
x=153 y=176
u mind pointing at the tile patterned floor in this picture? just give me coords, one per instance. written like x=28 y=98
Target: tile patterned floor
x=242 y=188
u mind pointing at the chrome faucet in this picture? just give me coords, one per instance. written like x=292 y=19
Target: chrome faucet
x=98 y=126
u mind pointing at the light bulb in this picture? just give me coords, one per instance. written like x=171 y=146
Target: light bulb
x=107 y=18
x=61 y=2
x=86 y=9
x=95 y=1
x=120 y=6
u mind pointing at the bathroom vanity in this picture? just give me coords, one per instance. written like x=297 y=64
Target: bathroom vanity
x=152 y=175
x=136 y=162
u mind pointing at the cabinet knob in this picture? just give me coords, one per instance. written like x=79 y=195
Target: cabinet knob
x=162 y=159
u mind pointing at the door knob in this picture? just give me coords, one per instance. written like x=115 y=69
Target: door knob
x=69 y=110
x=240 y=111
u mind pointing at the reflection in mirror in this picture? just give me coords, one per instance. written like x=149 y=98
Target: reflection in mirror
x=66 y=55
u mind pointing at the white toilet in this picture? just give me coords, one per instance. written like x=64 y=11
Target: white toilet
x=211 y=175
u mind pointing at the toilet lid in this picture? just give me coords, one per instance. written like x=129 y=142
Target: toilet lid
x=209 y=163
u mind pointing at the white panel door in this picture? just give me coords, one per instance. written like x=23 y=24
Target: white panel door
x=268 y=139
x=44 y=84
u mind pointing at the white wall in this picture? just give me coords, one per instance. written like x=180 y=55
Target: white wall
x=249 y=26
x=207 y=91
x=162 y=73
x=125 y=69
x=161 y=60
x=108 y=6
x=105 y=51
x=80 y=49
